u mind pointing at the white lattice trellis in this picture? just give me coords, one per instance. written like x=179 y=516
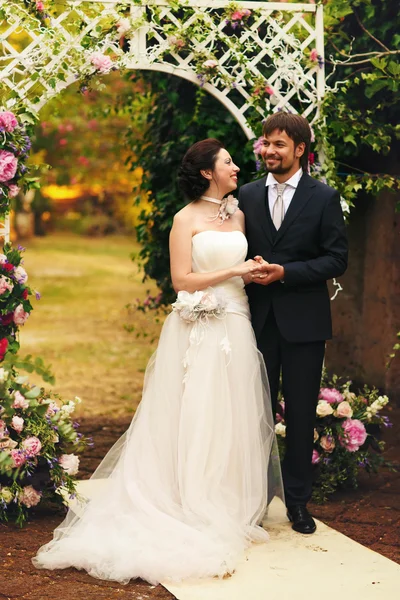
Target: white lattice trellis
x=39 y=57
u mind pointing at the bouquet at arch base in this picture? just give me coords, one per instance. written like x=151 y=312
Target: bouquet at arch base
x=346 y=435
x=39 y=444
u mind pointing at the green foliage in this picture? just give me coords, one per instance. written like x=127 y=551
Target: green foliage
x=361 y=111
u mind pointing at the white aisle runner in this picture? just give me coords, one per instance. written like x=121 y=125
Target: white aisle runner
x=324 y=566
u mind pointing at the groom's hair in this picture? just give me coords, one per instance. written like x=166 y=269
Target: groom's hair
x=295 y=126
x=200 y=157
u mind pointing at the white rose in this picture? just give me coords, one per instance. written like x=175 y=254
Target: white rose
x=343 y=410
x=324 y=408
x=280 y=429
x=6 y=495
x=210 y=64
x=70 y=463
x=123 y=26
x=68 y=408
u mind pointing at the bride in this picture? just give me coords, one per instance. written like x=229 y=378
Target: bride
x=186 y=486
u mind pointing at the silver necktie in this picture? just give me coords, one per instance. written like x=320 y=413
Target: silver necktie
x=278 y=210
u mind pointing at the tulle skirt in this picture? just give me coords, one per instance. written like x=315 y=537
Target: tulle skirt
x=188 y=482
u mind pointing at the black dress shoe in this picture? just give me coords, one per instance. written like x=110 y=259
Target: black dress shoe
x=301 y=519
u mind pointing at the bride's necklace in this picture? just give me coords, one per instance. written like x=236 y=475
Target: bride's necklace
x=227 y=207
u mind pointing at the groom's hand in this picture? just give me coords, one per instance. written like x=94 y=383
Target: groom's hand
x=267 y=273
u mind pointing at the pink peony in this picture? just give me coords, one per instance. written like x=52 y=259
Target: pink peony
x=18 y=458
x=20 y=316
x=8 y=121
x=70 y=463
x=17 y=423
x=32 y=446
x=29 y=497
x=21 y=275
x=20 y=401
x=327 y=443
x=354 y=435
x=13 y=190
x=315 y=457
x=330 y=395
x=8 y=165
x=6 y=285
x=101 y=62
x=343 y=410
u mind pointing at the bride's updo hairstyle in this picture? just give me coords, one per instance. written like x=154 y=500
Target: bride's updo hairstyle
x=200 y=157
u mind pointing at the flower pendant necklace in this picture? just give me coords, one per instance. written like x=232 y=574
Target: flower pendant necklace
x=227 y=207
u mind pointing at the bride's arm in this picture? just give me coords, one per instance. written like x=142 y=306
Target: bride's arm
x=180 y=248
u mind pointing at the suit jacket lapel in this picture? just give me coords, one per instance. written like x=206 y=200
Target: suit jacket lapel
x=261 y=207
x=302 y=195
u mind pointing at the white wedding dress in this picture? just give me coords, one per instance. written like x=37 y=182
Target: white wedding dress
x=187 y=483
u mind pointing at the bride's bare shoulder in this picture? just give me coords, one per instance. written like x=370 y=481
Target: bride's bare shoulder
x=185 y=215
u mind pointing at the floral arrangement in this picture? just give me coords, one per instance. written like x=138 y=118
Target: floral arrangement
x=199 y=306
x=344 y=436
x=39 y=443
x=15 y=306
x=15 y=144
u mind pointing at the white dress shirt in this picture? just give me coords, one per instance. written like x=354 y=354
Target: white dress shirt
x=291 y=185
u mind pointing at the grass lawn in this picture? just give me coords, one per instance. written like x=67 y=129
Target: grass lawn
x=78 y=325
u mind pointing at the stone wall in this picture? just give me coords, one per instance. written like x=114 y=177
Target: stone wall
x=366 y=314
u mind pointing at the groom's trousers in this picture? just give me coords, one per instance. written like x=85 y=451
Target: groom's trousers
x=300 y=365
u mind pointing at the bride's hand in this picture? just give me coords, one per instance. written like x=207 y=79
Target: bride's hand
x=245 y=269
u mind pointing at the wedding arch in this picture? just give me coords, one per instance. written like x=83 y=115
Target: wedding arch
x=254 y=57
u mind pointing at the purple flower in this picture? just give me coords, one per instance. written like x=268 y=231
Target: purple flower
x=387 y=422
x=37 y=295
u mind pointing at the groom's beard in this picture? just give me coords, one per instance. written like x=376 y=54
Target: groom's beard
x=278 y=168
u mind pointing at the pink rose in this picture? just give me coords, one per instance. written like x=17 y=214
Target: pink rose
x=21 y=275
x=39 y=5
x=354 y=435
x=315 y=457
x=327 y=443
x=18 y=458
x=343 y=410
x=269 y=90
x=20 y=401
x=330 y=395
x=13 y=190
x=101 y=62
x=8 y=121
x=29 y=496
x=6 y=285
x=32 y=446
x=17 y=423
x=8 y=165
x=70 y=463
x=20 y=316
x=314 y=55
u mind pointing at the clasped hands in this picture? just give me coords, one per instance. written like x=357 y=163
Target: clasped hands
x=265 y=272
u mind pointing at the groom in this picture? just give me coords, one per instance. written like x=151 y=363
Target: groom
x=295 y=228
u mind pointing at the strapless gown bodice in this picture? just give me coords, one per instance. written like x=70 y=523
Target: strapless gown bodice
x=214 y=250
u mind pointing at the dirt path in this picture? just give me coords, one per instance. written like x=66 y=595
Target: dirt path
x=369 y=515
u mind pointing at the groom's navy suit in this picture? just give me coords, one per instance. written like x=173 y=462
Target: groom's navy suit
x=292 y=319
